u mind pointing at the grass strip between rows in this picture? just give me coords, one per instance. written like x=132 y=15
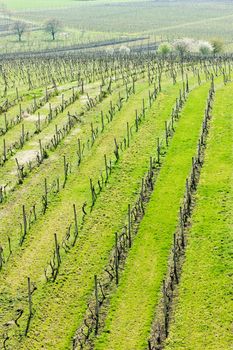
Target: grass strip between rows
x=132 y=307
x=202 y=317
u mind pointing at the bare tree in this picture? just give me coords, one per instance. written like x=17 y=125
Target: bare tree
x=52 y=26
x=19 y=27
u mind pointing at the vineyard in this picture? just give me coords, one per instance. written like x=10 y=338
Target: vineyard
x=115 y=202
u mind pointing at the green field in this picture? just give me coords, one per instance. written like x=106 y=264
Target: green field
x=207 y=19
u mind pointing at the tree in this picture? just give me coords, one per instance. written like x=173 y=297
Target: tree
x=52 y=26
x=217 y=45
x=182 y=46
x=164 y=49
x=205 y=48
x=124 y=50
x=19 y=27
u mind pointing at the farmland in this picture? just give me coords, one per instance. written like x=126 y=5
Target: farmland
x=77 y=140
x=208 y=18
x=116 y=177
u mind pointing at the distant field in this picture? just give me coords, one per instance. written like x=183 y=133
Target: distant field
x=203 y=19
x=85 y=21
x=27 y=4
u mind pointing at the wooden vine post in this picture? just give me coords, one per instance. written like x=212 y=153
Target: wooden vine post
x=57 y=250
x=129 y=226
x=29 y=298
x=116 y=259
x=75 y=224
x=96 y=306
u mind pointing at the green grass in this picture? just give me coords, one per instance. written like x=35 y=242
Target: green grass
x=60 y=306
x=133 y=305
x=202 y=317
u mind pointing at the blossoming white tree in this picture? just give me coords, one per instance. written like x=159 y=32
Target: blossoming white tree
x=188 y=45
x=124 y=50
x=205 y=48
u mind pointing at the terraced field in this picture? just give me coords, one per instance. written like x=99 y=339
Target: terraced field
x=96 y=159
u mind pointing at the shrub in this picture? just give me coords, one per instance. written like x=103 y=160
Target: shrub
x=217 y=45
x=164 y=49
